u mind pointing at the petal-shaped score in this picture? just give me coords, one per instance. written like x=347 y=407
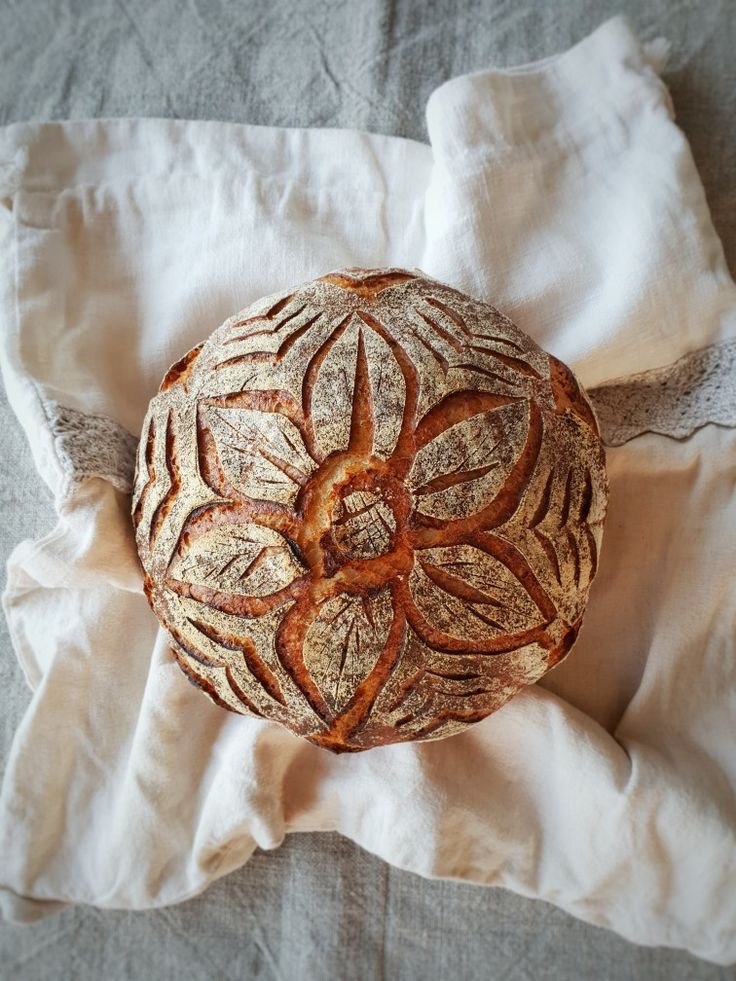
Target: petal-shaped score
x=468 y=595
x=332 y=398
x=244 y=560
x=388 y=392
x=462 y=469
x=344 y=642
x=355 y=355
x=262 y=453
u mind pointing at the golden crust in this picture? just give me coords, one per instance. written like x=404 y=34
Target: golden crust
x=370 y=509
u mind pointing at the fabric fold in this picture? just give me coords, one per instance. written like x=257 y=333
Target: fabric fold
x=603 y=81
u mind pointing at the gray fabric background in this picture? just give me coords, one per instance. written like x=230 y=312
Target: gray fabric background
x=319 y=907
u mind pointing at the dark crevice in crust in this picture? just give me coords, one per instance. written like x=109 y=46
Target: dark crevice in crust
x=180 y=372
x=172 y=470
x=568 y=395
x=149 y=451
x=255 y=664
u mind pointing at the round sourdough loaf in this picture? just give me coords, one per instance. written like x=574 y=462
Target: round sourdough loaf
x=369 y=508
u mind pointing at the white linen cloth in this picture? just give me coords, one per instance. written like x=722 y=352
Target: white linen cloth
x=563 y=193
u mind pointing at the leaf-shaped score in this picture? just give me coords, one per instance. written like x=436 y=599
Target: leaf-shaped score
x=332 y=398
x=468 y=594
x=375 y=371
x=344 y=642
x=462 y=469
x=262 y=453
x=245 y=560
x=388 y=392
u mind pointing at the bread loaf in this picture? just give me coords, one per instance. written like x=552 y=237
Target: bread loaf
x=369 y=508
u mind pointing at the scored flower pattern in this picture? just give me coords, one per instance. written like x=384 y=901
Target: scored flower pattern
x=369 y=509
